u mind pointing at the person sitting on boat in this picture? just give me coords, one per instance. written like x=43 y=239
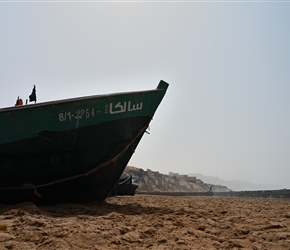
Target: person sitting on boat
x=19 y=102
x=32 y=97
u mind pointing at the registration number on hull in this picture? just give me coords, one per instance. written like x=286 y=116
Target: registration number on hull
x=79 y=114
x=109 y=109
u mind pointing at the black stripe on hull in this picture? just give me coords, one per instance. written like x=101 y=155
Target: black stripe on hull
x=32 y=169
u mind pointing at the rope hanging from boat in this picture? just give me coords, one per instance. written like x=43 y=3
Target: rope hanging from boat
x=97 y=168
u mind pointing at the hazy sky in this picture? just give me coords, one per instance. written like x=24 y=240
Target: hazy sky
x=227 y=109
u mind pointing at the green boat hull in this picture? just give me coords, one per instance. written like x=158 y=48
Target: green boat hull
x=72 y=150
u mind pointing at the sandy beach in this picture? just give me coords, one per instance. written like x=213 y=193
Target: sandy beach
x=148 y=222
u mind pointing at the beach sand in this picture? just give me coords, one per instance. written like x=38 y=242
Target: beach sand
x=148 y=222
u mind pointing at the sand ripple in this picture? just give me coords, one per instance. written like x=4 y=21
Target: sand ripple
x=149 y=222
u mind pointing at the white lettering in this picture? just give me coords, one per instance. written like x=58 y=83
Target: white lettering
x=134 y=107
x=78 y=114
x=119 y=108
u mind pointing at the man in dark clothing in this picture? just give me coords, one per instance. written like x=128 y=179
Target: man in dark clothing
x=32 y=97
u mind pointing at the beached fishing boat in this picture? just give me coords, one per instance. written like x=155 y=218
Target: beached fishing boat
x=74 y=149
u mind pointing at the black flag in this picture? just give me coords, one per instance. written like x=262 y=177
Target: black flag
x=32 y=97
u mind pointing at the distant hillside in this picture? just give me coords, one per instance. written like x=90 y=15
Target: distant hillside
x=153 y=181
x=236 y=185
